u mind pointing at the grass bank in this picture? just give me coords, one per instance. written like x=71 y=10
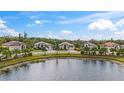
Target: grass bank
x=42 y=58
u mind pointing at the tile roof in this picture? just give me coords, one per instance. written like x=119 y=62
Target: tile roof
x=13 y=43
x=110 y=44
x=90 y=44
x=43 y=43
x=66 y=43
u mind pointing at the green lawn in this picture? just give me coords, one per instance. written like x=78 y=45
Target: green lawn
x=40 y=58
x=38 y=51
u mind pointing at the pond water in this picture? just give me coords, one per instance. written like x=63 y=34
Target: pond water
x=69 y=69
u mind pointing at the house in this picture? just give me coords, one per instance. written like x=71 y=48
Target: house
x=89 y=45
x=110 y=45
x=66 y=46
x=43 y=46
x=121 y=46
x=12 y=45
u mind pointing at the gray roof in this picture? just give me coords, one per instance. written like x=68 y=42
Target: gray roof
x=122 y=45
x=43 y=43
x=13 y=43
x=90 y=44
x=66 y=43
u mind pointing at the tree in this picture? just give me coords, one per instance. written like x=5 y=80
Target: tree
x=102 y=51
x=25 y=35
x=82 y=52
x=20 y=36
x=86 y=50
x=78 y=43
x=1 y=48
x=99 y=47
x=113 y=50
x=6 y=53
x=94 y=50
x=120 y=52
x=57 y=47
x=65 y=47
x=16 y=52
x=27 y=52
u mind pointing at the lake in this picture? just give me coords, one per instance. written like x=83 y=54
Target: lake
x=69 y=69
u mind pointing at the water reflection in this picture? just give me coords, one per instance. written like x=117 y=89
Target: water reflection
x=7 y=72
x=57 y=61
x=25 y=66
x=66 y=69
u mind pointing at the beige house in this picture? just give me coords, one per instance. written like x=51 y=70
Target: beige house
x=66 y=46
x=110 y=45
x=12 y=45
x=43 y=46
x=89 y=45
x=122 y=46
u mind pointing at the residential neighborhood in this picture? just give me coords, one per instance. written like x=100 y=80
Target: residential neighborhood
x=84 y=47
x=49 y=46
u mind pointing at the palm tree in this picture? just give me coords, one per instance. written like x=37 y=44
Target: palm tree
x=6 y=53
x=102 y=51
x=113 y=50
x=1 y=48
x=94 y=50
x=120 y=52
x=86 y=50
x=16 y=52
x=25 y=51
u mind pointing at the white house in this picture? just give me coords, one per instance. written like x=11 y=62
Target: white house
x=89 y=45
x=66 y=46
x=43 y=45
x=12 y=45
x=122 y=46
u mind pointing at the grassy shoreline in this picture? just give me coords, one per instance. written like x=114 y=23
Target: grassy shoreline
x=42 y=58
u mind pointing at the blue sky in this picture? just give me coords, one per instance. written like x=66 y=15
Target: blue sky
x=71 y=25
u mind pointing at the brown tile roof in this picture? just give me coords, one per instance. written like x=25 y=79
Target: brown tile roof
x=110 y=44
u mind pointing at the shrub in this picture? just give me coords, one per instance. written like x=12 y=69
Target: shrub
x=78 y=49
x=82 y=52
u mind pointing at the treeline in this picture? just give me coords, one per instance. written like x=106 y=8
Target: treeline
x=30 y=41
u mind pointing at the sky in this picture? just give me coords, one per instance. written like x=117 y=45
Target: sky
x=71 y=25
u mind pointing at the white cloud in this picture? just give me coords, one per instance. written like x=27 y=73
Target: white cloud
x=33 y=17
x=62 y=17
x=93 y=17
x=2 y=24
x=38 y=22
x=120 y=22
x=8 y=32
x=66 y=32
x=11 y=32
x=45 y=21
x=5 y=30
x=30 y=25
x=119 y=32
x=50 y=34
x=102 y=24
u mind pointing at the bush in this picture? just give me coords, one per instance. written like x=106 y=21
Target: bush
x=82 y=52
x=30 y=54
x=78 y=49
